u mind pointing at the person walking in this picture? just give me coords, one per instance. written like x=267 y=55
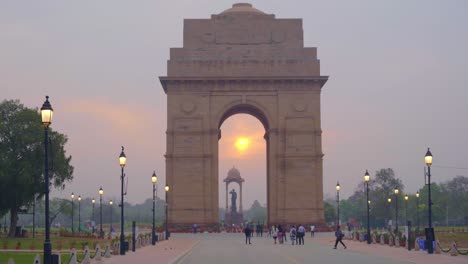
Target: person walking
x=339 y=236
x=248 y=234
x=312 y=231
x=274 y=233
x=300 y=234
x=285 y=235
x=292 y=234
x=280 y=234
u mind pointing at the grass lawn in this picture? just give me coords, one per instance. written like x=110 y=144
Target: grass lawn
x=28 y=258
x=57 y=243
x=446 y=239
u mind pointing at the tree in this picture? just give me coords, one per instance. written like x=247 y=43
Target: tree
x=329 y=211
x=256 y=213
x=22 y=158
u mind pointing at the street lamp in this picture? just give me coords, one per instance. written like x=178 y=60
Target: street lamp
x=154 y=179
x=72 y=196
x=111 y=211
x=406 y=208
x=417 y=212
x=389 y=200
x=93 y=201
x=122 y=161
x=101 y=192
x=430 y=232
x=338 y=187
x=79 y=214
x=167 y=204
x=396 y=191
x=46 y=116
x=367 y=179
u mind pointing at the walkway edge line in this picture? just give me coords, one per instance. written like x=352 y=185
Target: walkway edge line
x=178 y=259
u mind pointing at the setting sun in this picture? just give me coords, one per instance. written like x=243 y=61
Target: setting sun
x=242 y=143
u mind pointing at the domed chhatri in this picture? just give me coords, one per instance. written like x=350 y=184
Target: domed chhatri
x=242 y=8
x=233 y=217
x=233 y=174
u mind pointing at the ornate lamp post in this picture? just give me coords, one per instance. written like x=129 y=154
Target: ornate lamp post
x=367 y=179
x=101 y=192
x=396 y=191
x=429 y=233
x=122 y=162
x=167 y=204
x=93 y=201
x=72 y=196
x=389 y=200
x=417 y=212
x=406 y=208
x=154 y=179
x=46 y=115
x=338 y=187
x=111 y=211
x=79 y=214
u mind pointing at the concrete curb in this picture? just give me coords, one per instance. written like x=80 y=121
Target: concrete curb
x=179 y=258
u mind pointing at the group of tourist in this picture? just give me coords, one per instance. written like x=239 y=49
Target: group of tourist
x=280 y=233
x=296 y=235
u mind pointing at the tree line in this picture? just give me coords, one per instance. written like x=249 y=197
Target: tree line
x=449 y=202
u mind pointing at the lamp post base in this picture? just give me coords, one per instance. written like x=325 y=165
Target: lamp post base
x=47 y=252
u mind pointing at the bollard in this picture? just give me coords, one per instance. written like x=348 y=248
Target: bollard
x=416 y=244
x=72 y=256
x=453 y=249
x=37 y=260
x=397 y=241
x=107 y=251
x=86 y=258
x=382 y=240
x=97 y=254
x=437 y=247
x=11 y=261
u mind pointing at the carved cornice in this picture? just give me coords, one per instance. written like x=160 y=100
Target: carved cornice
x=189 y=156
x=198 y=83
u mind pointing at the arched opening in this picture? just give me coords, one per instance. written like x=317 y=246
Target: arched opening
x=243 y=146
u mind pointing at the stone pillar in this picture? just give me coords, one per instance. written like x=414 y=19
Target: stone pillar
x=227 y=208
x=240 y=201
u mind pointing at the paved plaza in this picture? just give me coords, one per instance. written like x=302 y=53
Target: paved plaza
x=231 y=249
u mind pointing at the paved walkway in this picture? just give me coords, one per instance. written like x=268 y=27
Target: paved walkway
x=164 y=252
x=231 y=249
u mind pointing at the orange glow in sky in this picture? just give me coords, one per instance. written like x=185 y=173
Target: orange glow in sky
x=242 y=143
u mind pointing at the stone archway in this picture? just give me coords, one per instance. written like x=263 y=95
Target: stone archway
x=244 y=61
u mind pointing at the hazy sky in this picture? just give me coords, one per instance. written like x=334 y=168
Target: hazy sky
x=398 y=84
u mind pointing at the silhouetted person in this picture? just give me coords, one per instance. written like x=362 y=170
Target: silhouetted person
x=248 y=234
x=339 y=236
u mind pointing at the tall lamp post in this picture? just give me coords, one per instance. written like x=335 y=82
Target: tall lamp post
x=417 y=212
x=46 y=117
x=122 y=162
x=389 y=200
x=430 y=232
x=154 y=179
x=406 y=208
x=167 y=204
x=367 y=179
x=338 y=187
x=72 y=196
x=396 y=191
x=101 y=192
x=79 y=214
x=111 y=211
x=93 y=201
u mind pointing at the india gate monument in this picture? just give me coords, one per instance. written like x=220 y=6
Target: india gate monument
x=243 y=60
